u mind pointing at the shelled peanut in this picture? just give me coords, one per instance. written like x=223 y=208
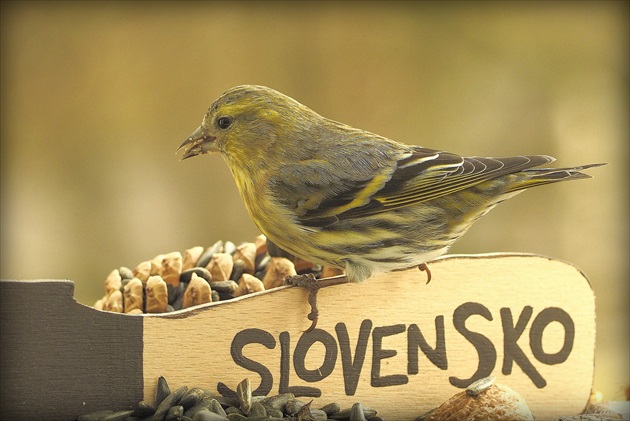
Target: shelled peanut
x=175 y=281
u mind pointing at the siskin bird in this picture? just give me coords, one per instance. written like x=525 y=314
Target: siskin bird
x=348 y=198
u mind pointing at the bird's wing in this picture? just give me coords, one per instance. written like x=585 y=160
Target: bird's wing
x=419 y=178
x=329 y=193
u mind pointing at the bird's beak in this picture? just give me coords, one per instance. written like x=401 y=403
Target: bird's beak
x=198 y=143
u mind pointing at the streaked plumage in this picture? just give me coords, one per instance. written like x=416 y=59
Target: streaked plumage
x=344 y=197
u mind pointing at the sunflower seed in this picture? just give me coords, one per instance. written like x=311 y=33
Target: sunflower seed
x=170 y=400
x=356 y=412
x=161 y=391
x=331 y=408
x=144 y=409
x=224 y=287
x=204 y=403
x=215 y=296
x=244 y=394
x=192 y=397
x=233 y=410
x=256 y=410
x=205 y=257
x=346 y=413
x=207 y=415
x=175 y=413
x=279 y=401
x=293 y=406
x=125 y=272
x=237 y=270
x=479 y=386
x=229 y=248
x=216 y=407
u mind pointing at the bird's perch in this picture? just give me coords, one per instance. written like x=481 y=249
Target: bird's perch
x=394 y=343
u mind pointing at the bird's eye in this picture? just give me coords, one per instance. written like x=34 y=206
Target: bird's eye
x=224 y=122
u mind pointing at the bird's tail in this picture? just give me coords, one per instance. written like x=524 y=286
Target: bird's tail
x=540 y=176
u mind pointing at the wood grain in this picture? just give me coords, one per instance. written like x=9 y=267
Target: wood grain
x=198 y=346
x=394 y=343
x=61 y=359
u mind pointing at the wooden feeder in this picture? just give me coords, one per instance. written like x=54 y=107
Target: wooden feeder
x=393 y=343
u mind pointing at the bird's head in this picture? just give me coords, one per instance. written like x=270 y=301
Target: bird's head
x=252 y=127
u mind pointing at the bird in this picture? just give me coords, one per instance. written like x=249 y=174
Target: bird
x=347 y=198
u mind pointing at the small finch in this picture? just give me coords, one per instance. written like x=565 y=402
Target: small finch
x=347 y=198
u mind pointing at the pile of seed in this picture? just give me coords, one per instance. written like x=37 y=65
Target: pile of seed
x=198 y=404
x=175 y=281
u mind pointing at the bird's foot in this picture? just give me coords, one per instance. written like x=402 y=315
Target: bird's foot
x=309 y=282
x=425 y=268
x=313 y=285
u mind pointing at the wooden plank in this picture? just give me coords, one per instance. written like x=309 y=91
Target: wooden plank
x=528 y=320
x=61 y=359
x=394 y=343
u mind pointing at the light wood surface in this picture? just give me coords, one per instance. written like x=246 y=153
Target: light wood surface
x=528 y=320
x=394 y=343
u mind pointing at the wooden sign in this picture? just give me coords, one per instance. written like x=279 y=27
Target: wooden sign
x=394 y=343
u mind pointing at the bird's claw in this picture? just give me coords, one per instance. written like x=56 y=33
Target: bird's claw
x=313 y=285
x=425 y=268
x=308 y=281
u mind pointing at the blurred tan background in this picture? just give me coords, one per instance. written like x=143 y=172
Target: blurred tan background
x=97 y=97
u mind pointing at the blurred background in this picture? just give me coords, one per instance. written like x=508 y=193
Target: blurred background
x=96 y=98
